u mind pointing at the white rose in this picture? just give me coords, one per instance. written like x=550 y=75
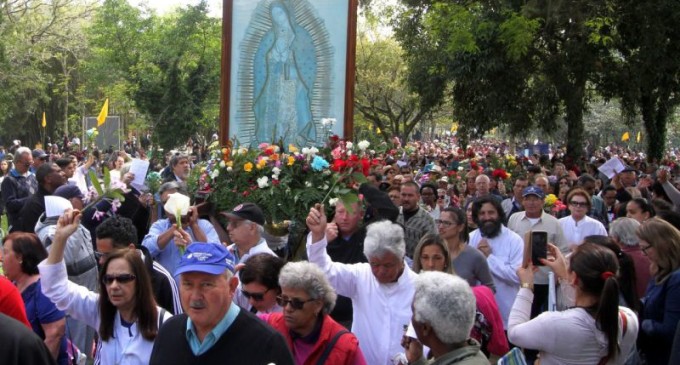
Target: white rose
x=276 y=170
x=325 y=122
x=223 y=164
x=263 y=182
x=229 y=169
x=349 y=145
x=363 y=145
x=215 y=173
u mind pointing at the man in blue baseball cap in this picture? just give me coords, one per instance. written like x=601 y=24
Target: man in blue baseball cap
x=213 y=329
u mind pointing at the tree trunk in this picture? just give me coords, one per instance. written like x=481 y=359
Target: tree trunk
x=574 y=118
x=654 y=117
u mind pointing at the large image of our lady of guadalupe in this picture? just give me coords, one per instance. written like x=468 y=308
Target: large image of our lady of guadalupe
x=290 y=74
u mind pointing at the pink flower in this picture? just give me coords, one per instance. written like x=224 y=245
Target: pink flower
x=115 y=204
x=98 y=215
x=337 y=153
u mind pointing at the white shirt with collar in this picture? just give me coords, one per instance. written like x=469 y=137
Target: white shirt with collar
x=507 y=254
x=575 y=232
x=380 y=310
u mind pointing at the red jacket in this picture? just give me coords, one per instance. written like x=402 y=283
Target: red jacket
x=344 y=352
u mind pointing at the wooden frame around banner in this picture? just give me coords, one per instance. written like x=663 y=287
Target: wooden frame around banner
x=226 y=68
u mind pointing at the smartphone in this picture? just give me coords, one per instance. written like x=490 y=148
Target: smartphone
x=539 y=247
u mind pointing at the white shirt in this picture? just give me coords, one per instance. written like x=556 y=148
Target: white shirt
x=507 y=254
x=567 y=337
x=380 y=310
x=83 y=305
x=575 y=232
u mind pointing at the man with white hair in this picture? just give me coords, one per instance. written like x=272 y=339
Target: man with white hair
x=381 y=290
x=622 y=231
x=18 y=186
x=444 y=311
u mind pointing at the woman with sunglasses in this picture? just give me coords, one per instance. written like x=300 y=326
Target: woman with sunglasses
x=123 y=312
x=578 y=225
x=313 y=337
x=259 y=280
x=660 y=312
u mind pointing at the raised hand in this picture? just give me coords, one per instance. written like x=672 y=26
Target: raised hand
x=316 y=222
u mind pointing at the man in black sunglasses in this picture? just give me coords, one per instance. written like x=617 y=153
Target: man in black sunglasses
x=213 y=329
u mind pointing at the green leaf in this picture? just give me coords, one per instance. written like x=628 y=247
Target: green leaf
x=95 y=182
x=359 y=178
x=118 y=195
x=107 y=177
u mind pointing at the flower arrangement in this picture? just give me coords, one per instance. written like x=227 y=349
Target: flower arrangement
x=284 y=183
x=553 y=205
x=91 y=135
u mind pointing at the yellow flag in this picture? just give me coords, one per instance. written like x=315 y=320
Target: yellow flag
x=625 y=137
x=104 y=113
x=44 y=121
x=639 y=136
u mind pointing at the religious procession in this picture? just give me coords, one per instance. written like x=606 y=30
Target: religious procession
x=356 y=182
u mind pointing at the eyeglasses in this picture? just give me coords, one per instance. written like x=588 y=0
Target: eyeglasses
x=258 y=297
x=296 y=303
x=442 y=197
x=99 y=255
x=579 y=204
x=644 y=249
x=121 y=279
x=444 y=223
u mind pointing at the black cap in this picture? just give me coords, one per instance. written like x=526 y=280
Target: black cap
x=247 y=211
x=68 y=192
x=629 y=168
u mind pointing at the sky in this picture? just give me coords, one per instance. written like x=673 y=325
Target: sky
x=164 y=6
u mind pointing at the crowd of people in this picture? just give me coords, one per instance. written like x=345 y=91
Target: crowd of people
x=433 y=265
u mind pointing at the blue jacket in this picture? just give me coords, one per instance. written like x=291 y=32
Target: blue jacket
x=660 y=317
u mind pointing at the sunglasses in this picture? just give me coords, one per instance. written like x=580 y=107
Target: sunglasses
x=578 y=204
x=258 y=297
x=121 y=279
x=99 y=255
x=296 y=303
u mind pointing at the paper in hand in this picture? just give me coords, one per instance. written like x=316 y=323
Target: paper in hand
x=612 y=167
x=56 y=205
x=139 y=168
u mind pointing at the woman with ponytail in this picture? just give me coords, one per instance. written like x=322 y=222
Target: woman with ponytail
x=660 y=314
x=595 y=331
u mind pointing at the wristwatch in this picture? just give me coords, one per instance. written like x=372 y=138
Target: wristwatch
x=527 y=286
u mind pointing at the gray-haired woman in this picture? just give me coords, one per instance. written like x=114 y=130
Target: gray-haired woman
x=307 y=298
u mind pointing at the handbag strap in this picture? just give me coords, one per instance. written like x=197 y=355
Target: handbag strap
x=329 y=347
x=624 y=324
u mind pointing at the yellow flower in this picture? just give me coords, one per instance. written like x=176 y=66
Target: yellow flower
x=292 y=148
x=550 y=200
x=291 y=160
x=262 y=163
x=248 y=167
x=230 y=164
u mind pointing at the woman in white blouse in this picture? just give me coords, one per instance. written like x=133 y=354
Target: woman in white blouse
x=595 y=331
x=124 y=311
x=578 y=225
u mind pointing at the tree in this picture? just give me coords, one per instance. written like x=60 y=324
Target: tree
x=644 y=69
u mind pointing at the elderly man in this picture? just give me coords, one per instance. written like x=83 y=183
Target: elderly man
x=446 y=331
x=622 y=232
x=179 y=169
x=245 y=228
x=415 y=220
x=165 y=237
x=513 y=204
x=533 y=218
x=503 y=248
x=18 y=186
x=214 y=330
x=346 y=237
x=381 y=290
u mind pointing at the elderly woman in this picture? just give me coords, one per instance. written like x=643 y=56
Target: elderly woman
x=432 y=254
x=443 y=330
x=623 y=232
x=578 y=225
x=259 y=280
x=21 y=254
x=124 y=311
x=381 y=290
x=661 y=304
x=312 y=335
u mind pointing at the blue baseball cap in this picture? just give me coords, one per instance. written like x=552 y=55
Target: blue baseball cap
x=533 y=190
x=209 y=258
